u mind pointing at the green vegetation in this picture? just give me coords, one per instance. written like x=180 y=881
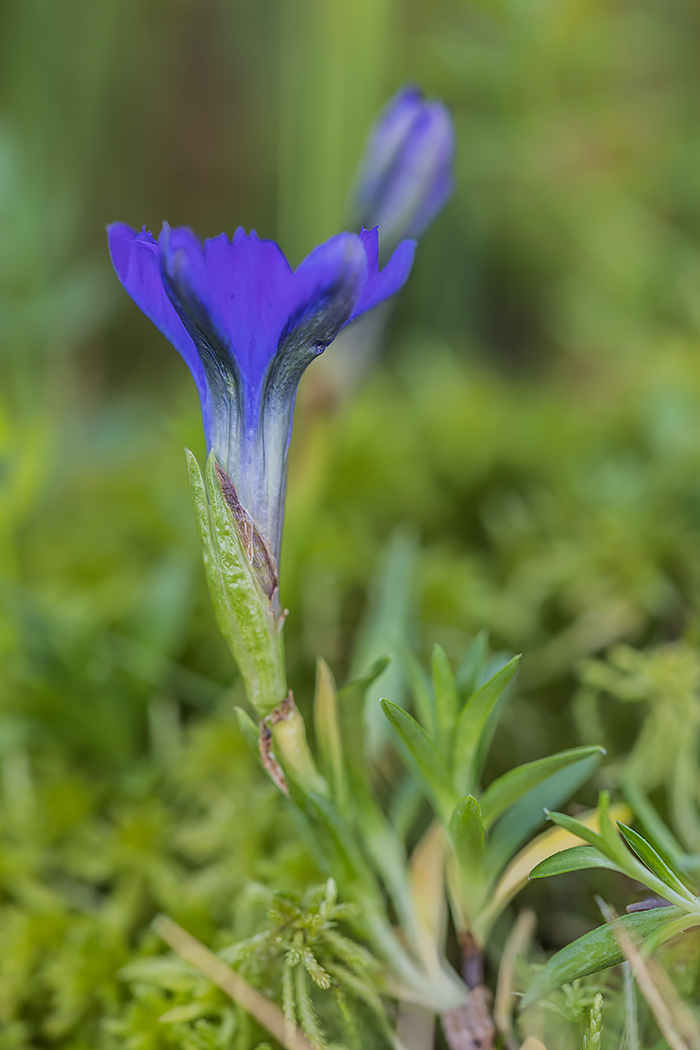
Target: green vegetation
x=523 y=463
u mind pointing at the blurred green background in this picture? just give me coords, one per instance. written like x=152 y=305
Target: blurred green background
x=533 y=426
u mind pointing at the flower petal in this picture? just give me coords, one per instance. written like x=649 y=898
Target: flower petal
x=383 y=283
x=406 y=173
x=248 y=325
x=329 y=283
x=387 y=136
x=136 y=259
x=253 y=293
x=423 y=177
x=185 y=278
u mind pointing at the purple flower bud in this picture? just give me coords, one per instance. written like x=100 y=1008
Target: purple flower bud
x=247 y=325
x=406 y=173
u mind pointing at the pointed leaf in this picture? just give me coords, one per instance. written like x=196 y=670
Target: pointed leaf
x=609 y=831
x=516 y=783
x=580 y=830
x=350 y=712
x=471 y=724
x=467 y=832
x=664 y=841
x=518 y=822
x=292 y=751
x=427 y=761
x=385 y=627
x=615 y=849
x=575 y=859
x=363 y=682
x=327 y=727
x=446 y=698
x=405 y=805
x=473 y=663
x=596 y=951
x=493 y=665
x=421 y=691
x=648 y=855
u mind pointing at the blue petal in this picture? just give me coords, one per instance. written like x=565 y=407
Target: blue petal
x=383 y=283
x=240 y=291
x=137 y=263
x=406 y=173
x=248 y=325
x=388 y=134
x=243 y=305
x=423 y=177
x=329 y=282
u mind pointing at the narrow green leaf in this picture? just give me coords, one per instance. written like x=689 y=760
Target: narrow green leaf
x=363 y=682
x=516 y=783
x=519 y=821
x=577 y=828
x=608 y=830
x=327 y=727
x=473 y=663
x=575 y=859
x=405 y=805
x=421 y=690
x=427 y=761
x=616 y=849
x=201 y=504
x=648 y=855
x=351 y=701
x=467 y=833
x=522 y=818
x=471 y=724
x=663 y=840
x=493 y=665
x=446 y=698
x=596 y=951
x=386 y=625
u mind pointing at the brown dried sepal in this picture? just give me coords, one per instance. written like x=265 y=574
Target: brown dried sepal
x=269 y=759
x=284 y=710
x=257 y=549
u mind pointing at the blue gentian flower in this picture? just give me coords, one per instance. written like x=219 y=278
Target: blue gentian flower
x=404 y=179
x=247 y=325
x=405 y=175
